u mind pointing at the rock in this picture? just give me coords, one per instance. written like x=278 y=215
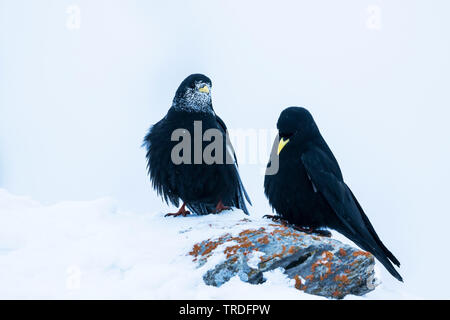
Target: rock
x=319 y=265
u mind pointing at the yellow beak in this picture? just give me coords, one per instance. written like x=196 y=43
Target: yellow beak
x=204 y=89
x=282 y=144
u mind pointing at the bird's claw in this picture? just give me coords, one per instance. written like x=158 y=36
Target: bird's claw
x=182 y=212
x=177 y=214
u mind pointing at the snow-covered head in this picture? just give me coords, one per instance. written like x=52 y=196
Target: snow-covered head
x=194 y=94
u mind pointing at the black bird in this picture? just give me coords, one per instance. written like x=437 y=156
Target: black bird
x=308 y=189
x=204 y=186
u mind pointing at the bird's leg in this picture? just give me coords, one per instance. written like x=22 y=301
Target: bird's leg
x=320 y=232
x=182 y=212
x=220 y=207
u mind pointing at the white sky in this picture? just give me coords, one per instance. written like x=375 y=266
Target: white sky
x=76 y=103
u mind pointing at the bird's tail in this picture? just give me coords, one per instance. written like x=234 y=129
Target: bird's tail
x=374 y=249
x=369 y=226
x=242 y=196
x=370 y=241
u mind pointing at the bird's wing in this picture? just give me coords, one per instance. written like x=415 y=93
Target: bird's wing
x=322 y=169
x=230 y=150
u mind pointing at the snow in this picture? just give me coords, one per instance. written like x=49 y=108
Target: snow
x=95 y=250
x=254 y=259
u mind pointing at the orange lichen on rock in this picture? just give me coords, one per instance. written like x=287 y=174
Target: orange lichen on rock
x=195 y=250
x=325 y=260
x=362 y=253
x=210 y=246
x=264 y=240
x=275 y=255
x=293 y=249
x=342 y=252
x=231 y=250
x=298 y=282
x=337 y=294
x=250 y=232
x=341 y=278
x=243 y=243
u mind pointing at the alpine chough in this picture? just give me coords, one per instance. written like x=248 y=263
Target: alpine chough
x=308 y=189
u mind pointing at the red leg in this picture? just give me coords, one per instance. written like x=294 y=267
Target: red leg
x=182 y=212
x=220 y=207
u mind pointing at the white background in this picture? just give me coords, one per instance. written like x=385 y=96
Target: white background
x=75 y=103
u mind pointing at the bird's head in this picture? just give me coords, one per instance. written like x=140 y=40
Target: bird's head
x=194 y=94
x=295 y=125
